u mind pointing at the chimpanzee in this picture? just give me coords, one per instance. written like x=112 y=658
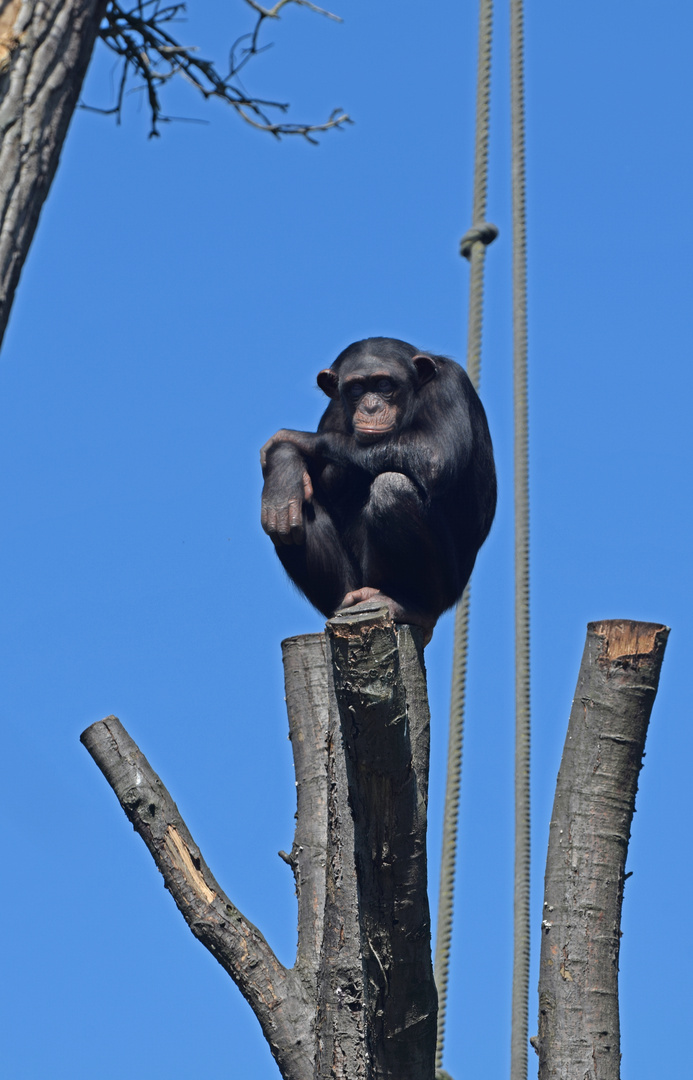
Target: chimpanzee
x=394 y=495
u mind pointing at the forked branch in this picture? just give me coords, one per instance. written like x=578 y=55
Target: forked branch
x=141 y=36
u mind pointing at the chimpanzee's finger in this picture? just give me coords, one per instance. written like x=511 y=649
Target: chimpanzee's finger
x=284 y=525
x=268 y=519
x=296 y=521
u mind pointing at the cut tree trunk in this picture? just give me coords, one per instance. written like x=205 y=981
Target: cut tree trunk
x=360 y=1001
x=579 y=1035
x=45 y=48
x=381 y=694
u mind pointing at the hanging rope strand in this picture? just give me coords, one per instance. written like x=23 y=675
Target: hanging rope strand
x=520 y=991
x=473 y=247
x=446 y=894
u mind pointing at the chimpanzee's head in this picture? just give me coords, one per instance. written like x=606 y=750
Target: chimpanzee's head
x=377 y=381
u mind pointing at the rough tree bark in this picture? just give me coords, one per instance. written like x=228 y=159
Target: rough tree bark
x=579 y=1035
x=45 y=47
x=381 y=694
x=360 y=1001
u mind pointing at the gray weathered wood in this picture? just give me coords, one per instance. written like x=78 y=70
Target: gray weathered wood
x=308 y=704
x=275 y=994
x=381 y=692
x=579 y=1035
x=340 y=1047
x=45 y=47
x=359 y=1003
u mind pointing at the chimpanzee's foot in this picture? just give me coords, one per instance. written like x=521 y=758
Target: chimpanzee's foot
x=359 y=598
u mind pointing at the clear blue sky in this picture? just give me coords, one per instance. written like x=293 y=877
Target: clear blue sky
x=178 y=301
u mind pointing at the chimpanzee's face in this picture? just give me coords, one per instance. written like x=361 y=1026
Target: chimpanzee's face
x=376 y=391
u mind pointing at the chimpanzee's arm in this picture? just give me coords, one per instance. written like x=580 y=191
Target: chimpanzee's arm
x=431 y=459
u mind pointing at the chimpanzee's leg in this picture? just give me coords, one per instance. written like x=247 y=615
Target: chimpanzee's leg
x=321 y=566
x=407 y=553
x=304 y=535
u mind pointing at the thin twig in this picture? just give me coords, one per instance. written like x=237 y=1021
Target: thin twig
x=140 y=36
x=273 y=13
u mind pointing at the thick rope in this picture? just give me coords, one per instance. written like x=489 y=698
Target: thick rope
x=520 y=991
x=473 y=247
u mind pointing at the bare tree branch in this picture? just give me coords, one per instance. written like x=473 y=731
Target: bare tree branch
x=141 y=37
x=275 y=993
x=273 y=13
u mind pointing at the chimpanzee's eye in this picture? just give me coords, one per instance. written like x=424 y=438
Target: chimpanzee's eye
x=384 y=386
x=355 y=389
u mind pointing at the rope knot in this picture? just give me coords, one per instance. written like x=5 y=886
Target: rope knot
x=483 y=233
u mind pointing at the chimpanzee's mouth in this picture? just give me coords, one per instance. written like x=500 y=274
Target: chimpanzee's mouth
x=363 y=432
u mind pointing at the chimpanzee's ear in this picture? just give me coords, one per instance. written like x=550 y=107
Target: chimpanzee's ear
x=425 y=367
x=328 y=381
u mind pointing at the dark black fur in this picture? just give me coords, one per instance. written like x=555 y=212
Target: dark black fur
x=405 y=514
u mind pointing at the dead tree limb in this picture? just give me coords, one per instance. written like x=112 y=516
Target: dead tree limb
x=273 y=992
x=588 y=842
x=360 y=1002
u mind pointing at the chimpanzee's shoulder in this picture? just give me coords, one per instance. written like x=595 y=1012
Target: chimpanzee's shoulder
x=450 y=371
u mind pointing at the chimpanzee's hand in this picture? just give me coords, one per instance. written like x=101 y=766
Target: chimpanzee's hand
x=287 y=487
x=304 y=441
